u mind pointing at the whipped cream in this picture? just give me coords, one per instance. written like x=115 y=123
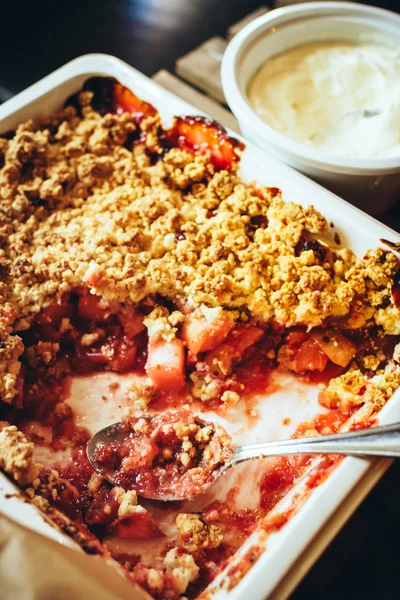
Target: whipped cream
x=316 y=94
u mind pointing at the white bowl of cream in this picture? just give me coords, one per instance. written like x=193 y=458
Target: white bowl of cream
x=318 y=85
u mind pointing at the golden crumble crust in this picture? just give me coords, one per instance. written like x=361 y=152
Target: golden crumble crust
x=353 y=388
x=16 y=456
x=194 y=534
x=182 y=567
x=11 y=347
x=79 y=205
x=344 y=391
x=140 y=394
x=128 y=503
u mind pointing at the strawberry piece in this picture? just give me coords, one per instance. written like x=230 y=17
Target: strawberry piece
x=117 y=355
x=240 y=339
x=54 y=313
x=295 y=338
x=166 y=364
x=244 y=336
x=48 y=333
x=138 y=525
x=103 y=509
x=126 y=101
x=110 y=96
x=132 y=324
x=92 y=308
x=202 y=333
x=202 y=135
x=123 y=356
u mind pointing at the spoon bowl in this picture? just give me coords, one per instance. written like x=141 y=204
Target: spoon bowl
x=377 y=441
x=106 y=436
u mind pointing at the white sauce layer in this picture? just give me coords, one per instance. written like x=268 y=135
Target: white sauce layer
x=312 y=94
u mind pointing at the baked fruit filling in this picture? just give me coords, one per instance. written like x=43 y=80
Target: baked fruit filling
x=133 y=249
x=168 y=457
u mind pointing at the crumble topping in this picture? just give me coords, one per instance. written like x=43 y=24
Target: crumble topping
x=140 y=394
x=161 y=324
x=179 y=570
x=128 y=503
x=195 y=534
x=79 y=205
x=95 y=483
x=50 y=486
x=381 y=387
x=345 y=390
x=205 y=387
x=11 y=347
x=353 y=389
x=16 y=456
x=182 y=567
x=371 y=362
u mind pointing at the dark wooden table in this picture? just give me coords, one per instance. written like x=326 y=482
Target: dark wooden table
x=39 y=36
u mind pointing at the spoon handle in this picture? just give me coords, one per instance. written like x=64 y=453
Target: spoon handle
x=393 y=247
x=378 y=441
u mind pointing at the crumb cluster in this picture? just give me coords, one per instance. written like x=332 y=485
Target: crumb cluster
x=16 y=456
x=353 y=387
x=195 y=534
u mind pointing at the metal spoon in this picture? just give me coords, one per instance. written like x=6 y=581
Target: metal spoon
x=378 y=441
x=394 y=247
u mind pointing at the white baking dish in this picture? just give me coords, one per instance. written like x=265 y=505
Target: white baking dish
x=371 y=184
x=356 y=229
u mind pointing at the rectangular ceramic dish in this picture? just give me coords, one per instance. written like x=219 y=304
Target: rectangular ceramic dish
x=309 y=509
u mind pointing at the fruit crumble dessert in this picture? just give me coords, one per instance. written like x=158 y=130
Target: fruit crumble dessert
x=134 y=249
x=167 y=457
